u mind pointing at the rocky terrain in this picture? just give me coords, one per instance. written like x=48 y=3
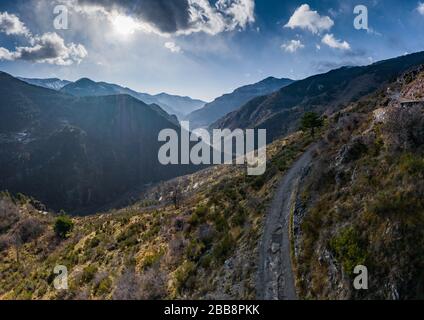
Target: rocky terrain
x=362 y=204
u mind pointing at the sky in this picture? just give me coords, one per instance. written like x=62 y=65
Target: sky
x=201 y=48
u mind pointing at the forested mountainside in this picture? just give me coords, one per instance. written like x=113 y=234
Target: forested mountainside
x=71 y=152
x=280 y=112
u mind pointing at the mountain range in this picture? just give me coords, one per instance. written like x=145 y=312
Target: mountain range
x=172 y=104
x=348 y=195
x=75 y=152
x=221 y=106
x=50 y=83
x=94 y=141
x=280 y=112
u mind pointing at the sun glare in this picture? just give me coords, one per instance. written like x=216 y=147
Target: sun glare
x=124 y=25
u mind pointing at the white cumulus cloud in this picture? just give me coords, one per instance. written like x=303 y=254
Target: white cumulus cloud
x=305 y=18
x=11 y=25
x=240 y=12
x=6 y=54
x=47 y=48
x=332 y=42
x=292 y=46
x=171 y=46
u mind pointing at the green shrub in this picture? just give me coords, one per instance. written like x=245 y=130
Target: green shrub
x=130 y=236
x=152 y=259
x=348 y=249
x=63 y=226
x=201 y=211
x=206 y=261
x=183 y=274
x=104 y=286
x=94 y=242
x=412 y=164
x=258 y=182
x=88 y=273
x=240 y=217
x=400 y=203
x=223 y=248
x=194 y=250
x=311 y=121
x=220 y=222
x=199 y=215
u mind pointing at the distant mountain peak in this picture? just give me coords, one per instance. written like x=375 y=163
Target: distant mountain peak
x=230 y=102
x=85 y=79
x=172 y=104
x=49 y=83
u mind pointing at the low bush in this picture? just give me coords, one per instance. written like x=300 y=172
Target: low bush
x=348 y=249
x=63 y=226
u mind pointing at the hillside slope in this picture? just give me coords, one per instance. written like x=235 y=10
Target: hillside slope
x=72 y=152
x=362 y=201
x=203 y=247
x=280 y=112
x=232 y=101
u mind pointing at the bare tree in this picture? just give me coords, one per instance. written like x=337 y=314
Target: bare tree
x=25 y=231
x=153 y=284
x=9 y=214
x=128 y=286
x=176 y=197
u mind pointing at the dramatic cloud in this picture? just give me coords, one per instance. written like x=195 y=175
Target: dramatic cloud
x=51 y=48
x=11 y=25
x=6 y=54
x=171 y=46
x=420 y=8
x=306 y=19
x=242 y=12
x=332 y=42
x=292 y=46
x=47 y=48
x=166 y=17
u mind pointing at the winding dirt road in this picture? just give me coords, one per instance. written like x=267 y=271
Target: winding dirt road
x=275 y=279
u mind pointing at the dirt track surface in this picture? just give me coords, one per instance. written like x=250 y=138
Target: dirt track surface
x=275 y=275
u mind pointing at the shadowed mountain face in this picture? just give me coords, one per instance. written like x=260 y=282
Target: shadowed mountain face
x=73 y=153
x=227 y=103
x=176 y=105
x=280 y=112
